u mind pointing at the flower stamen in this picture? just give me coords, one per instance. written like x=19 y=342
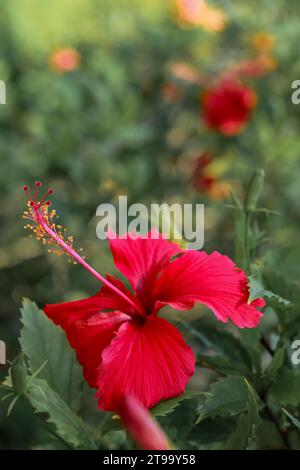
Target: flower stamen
x=46 y=229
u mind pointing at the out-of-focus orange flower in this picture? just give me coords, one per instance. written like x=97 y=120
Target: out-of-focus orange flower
x=171 y=92
x=227 y=106
x=206 y=180
x=139 y=423
x=268 y=62
x=199 y=13
x=263 y=42
x=184 y=71
x=65 y=60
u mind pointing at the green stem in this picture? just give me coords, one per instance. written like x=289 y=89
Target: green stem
x=246 y=240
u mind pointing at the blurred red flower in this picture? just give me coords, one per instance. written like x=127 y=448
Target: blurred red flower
x=254 y=68
x=227 y=106
x=202 y=181
x=65 y=60
x=205 y=180
x=141 y=426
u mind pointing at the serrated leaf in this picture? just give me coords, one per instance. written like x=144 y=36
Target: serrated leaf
x=286 y=388
x=247 y=423
x=68 y=425
x=220 y=341
x=288 y=291
x=276 y=300
x=165 y=407
x=228 y=397
x=41 y=340
x=295 y=421
x=256 y=291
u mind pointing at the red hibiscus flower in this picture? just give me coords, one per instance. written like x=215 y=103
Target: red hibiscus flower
x=122 y=344
x=227 y=107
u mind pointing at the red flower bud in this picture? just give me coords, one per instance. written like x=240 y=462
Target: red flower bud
x=139 y=423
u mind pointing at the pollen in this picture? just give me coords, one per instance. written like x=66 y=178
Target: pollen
x=44 y=225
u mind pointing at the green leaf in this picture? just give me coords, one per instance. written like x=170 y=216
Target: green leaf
x=165 y=407
x=268 y=436
x=247 y=423
x=251 y=340
x=68 y=425
x=41 y=340
x=255 y=288
x=275 y=300
x=295 y=421
x=211 y=430
x=275 y=365
x=221 y=342
x=228 y=396
x=256 y=291
x=222 y=364
x=288 y=293
x=110 y=422
x=286 y=388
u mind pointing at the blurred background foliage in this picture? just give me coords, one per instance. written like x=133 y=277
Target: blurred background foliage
x=126 y=118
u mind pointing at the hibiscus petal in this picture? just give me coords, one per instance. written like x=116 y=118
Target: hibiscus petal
x=89 y=329
x=141 y=259
x=88 y=334
x=150 y=361
x=213 y=280
x=106 y=299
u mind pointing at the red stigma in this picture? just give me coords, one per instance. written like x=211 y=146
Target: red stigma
x=34 y=201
